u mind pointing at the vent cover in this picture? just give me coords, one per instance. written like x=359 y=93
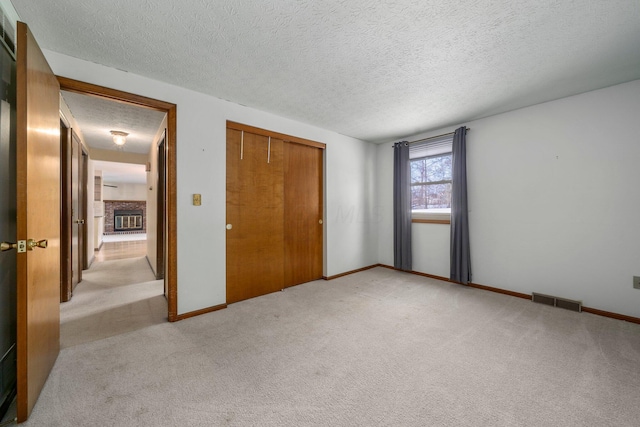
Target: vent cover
x=7 y=32
x=557 y=302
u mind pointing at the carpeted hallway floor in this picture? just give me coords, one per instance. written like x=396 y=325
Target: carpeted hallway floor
x=118 y=294
x=376 y=348
x=114 y=297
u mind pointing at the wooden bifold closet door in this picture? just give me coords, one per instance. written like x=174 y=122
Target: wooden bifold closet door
x=255 y=194
x=274 y=212
x=303 y=210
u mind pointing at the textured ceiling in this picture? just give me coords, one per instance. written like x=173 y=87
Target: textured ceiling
x=375 y=70
x=96 y=117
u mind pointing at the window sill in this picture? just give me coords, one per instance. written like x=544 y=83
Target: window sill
x=431 y=221
x=431 y=216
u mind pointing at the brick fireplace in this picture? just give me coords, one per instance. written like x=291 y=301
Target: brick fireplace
x=132 y=216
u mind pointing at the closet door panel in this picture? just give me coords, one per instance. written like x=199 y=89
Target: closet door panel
x=303 y=213
x=255 y=212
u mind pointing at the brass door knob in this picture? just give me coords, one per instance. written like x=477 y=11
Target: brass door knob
x=37 y=244
x=6 y=246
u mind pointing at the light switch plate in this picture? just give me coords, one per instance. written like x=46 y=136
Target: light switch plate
x=636 y=282
x=197 y=200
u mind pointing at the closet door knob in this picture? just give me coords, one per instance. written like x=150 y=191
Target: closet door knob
x=229 y=226
x=320 y=222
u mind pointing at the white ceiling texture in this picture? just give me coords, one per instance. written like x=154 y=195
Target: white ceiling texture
x=371 y=69
x=97 y=117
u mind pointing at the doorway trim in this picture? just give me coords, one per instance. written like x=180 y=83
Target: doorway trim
x=170 y=267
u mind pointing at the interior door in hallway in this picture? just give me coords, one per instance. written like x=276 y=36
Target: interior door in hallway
x=83 y=201
x=38 y=220
x=303 y=213
x=255 y=228
x=161 y=210
x=76 y=261
x=66 y=265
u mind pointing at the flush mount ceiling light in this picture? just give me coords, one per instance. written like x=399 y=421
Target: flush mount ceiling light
x=119 y=138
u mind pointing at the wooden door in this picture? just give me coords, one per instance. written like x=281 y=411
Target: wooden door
x=84 y=201
x=255 y=227
x=38 y=218
x=303 y=213
x=66 y=266
x=76 y=261
x=160 y=213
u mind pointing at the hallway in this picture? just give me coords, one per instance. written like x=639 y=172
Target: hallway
x=118 y=294
x=121 y=249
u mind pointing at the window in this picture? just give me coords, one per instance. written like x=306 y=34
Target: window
x=431 y=182
x=431 y=179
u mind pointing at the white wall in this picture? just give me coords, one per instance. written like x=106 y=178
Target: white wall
x=201 y=140
x=554 y=201
x=123 y=191
x=351 y=213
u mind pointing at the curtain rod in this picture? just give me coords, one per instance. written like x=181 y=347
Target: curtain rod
x=437 y=136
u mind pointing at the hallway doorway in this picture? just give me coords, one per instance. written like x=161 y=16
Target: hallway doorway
x=166 y=246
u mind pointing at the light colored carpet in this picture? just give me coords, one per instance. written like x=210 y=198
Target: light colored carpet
x=114 y=297
x=376 y=348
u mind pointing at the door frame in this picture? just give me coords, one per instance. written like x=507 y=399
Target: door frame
x=170 y=267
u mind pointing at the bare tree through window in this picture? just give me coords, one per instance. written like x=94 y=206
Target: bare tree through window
x=431 y=182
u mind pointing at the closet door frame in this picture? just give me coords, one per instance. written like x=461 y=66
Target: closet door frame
x=277 y=135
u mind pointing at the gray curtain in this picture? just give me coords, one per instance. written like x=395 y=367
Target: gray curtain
x=401 y=206
x=460 y=250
